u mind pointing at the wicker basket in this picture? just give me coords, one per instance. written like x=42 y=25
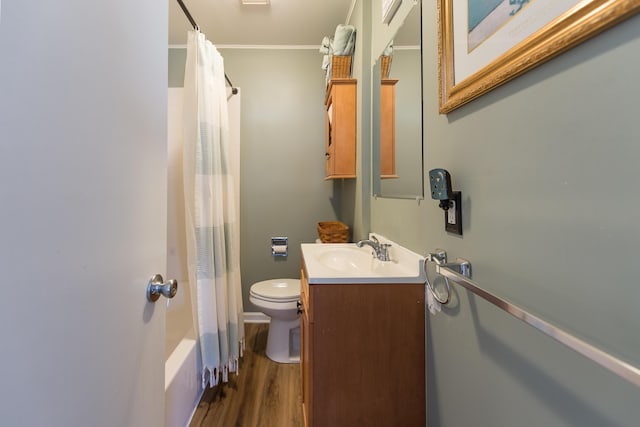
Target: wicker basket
x=340 y=67
x=385 y=63
x=333 y=232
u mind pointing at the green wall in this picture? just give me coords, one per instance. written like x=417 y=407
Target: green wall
x=282 y=190
x=354 y=193
x=547 y=165
x=177 y=59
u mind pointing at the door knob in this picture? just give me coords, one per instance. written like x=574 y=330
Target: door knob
x=156 y=287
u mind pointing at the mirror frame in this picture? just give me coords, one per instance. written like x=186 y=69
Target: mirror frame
x=375 y=127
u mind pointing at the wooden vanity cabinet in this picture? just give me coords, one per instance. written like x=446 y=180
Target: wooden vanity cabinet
x=305 y=352
x=340 y=119
x=388 y=128
x=362 y=354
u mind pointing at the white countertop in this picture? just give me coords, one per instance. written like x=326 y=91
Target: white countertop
x=345 y=263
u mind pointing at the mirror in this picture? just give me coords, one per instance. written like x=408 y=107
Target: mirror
x=397 y=114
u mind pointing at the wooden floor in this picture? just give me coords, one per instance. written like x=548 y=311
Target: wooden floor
x=264 y=394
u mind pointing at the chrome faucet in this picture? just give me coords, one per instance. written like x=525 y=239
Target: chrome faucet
x=381 y=249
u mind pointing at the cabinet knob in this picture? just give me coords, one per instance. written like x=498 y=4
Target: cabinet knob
x=327 y=155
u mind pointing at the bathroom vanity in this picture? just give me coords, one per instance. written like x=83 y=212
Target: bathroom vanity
x=362 y=344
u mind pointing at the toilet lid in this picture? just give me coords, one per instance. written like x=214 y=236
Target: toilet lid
x=277 y=289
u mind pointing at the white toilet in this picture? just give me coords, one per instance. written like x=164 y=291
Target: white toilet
x=278 y=299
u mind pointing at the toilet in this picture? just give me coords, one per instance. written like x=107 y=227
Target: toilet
x=278 y=299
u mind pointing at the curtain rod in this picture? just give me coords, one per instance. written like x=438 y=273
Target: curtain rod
x=234 y=90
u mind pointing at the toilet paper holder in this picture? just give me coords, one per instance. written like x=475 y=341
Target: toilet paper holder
x=279 y=246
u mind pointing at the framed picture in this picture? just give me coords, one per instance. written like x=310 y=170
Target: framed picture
x=485 y=43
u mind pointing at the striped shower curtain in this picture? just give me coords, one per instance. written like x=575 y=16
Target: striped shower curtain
x=211 y=219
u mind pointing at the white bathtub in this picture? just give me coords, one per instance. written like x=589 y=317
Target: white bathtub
x=183 y=389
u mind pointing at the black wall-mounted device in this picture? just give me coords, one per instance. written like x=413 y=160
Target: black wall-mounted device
x=450 y=201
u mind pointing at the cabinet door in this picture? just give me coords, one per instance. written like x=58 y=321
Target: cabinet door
x=369 y=355
x=388 y=128
x=329 y=147
x=305 y=365
x=305 y=352
x=340 y=145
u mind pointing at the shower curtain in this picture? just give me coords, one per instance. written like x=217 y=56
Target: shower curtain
x=210 y=212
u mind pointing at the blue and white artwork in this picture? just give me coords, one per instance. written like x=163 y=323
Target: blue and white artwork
x=488 y=16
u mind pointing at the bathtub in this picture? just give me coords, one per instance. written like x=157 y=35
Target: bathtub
x=183 y=390
x=182 y=385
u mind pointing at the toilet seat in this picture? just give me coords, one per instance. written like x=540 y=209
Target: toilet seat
x=277 y=290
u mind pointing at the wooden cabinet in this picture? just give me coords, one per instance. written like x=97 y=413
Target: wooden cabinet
x=305 y=352
x=340 y=141
x=362 y=354
x=388 y=128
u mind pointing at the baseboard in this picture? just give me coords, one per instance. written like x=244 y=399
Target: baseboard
x=255 y=317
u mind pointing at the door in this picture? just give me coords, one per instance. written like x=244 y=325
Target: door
x=82 y=212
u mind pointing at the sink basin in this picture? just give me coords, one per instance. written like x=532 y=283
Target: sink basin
x=346 y=263
x=347 y=259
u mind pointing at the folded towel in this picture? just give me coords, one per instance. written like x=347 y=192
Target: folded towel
x=388 y=50
x=326 y=61
x=344 y=40
x=325 y=46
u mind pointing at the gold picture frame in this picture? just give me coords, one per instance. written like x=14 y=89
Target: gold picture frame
x=578 y=23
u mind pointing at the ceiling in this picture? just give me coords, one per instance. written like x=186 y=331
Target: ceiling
x=283 y=22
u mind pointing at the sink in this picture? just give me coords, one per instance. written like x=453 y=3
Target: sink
x=346 y=263
x=347 y=259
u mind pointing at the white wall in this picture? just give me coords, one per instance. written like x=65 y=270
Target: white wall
x=82 y=130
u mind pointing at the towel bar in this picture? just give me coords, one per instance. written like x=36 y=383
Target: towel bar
x=621 y=368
